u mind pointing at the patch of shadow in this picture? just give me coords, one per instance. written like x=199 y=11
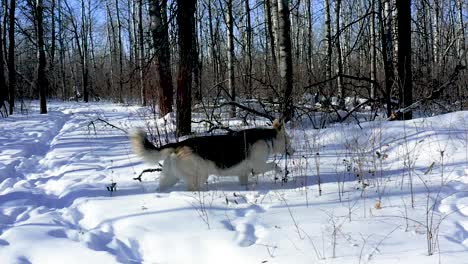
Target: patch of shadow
x=58 y=233
x=4 y=243
x=228 y=225
x=23 y=260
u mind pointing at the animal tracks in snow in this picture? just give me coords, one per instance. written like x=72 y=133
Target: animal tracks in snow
x=245 y=220
x=456 y=206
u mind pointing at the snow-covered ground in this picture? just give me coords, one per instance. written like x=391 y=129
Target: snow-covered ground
x=56 y=207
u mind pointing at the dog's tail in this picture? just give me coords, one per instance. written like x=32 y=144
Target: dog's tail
x=145 y=149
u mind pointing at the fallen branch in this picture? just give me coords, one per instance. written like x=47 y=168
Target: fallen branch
x=435 y=94
x=146 y=171
x=248 y=109
x=92 y=123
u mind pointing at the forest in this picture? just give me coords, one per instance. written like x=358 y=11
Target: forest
x=392 y=56
x=150 y=131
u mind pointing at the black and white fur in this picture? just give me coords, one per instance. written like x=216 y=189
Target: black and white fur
x=238 y=153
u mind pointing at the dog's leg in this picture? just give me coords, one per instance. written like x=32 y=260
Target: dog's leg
x=168 y=177
x=244 y=179
x=195 y=182
x=265 y=167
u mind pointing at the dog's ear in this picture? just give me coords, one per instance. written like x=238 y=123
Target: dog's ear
x=278 y=124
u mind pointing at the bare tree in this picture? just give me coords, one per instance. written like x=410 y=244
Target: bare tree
x=230 y=47
x=373 y=52
x=161 y=46
x=42 y=82
x=11 y=57
x=339 y=58
x=328 y=64
x=285 y=58
x=61 y=49
x=120 y=50
x=185 y=22
x=404 y=56
x=141 y=53
x=248 y=45
x=3 y=87
x=271 y=34
x=387 y=51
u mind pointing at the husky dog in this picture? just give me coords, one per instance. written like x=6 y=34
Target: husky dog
x=238 y=153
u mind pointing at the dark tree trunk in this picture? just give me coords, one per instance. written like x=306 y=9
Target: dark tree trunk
x=248 y=49
x=84 y=42
x=161 y=45
x=42 y=82
x=53 y=47
x=197 y=67
x=271 y=35
x=285 y=60
x=11 y=57
x=387 y=58
x=214 y=56
x=3 y=87
x=404 y=55
x=62 y=50
x=119 y=35
x=328 y=64
x=339 y=58
x=141 y=53
x=230 y=46
x=186 y=23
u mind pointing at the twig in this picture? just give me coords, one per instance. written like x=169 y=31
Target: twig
x=146 y=171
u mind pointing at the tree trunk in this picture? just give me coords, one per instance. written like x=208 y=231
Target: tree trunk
x=196 y=67
x=230 y=46
x=339 y=58
x=186 y=23
x=328 y=64
x=462 y=34
x=373 y=52
x=111 y=39
x=163 y=60
x=461 y=47
x=275 y=19
x=309 y=41
x=84 y=55
x=248 y=44
x=404 y=55
x=436 y=34
x=285 y=58
x=93 y=55
x=271 y=35
x=62 y=50
x=387 y=58
x=141 y=53
x=42 y=82
x=214 y=56
x=3 y=87
x=119 y=36
x=53 y=47
x=11 y=57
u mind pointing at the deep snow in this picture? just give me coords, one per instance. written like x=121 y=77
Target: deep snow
x=55 y=206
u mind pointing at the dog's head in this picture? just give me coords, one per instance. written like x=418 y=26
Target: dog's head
x=283 y=139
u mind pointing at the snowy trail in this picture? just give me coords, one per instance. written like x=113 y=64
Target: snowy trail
x=54 y=205
x=49 y=164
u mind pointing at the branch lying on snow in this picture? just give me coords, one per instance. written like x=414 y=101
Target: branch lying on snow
x=92 y=123
x=435 y=94
x=356 y=108
x=146 y=171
